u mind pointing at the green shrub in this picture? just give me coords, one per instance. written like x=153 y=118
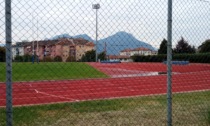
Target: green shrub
x=208 y=117
x=27 y=58
x=2 y=54
x=47 y=59
x=71 y=59
x=193 y=58
x=18 y=59
x=58 y=59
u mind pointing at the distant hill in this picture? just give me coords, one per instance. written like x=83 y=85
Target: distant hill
x=2 y=44
x=84 y=36
x=60 y=36
x=120 y=41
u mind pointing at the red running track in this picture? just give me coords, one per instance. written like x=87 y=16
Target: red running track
x=46 y=92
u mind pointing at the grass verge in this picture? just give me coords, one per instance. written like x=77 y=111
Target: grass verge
x=188 y=109
x=51 y=71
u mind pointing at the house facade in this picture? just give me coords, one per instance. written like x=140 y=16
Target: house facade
x=18 y=49
x=64 y=48
x=82 y=46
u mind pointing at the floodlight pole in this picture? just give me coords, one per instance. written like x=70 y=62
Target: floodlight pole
x=96 y=7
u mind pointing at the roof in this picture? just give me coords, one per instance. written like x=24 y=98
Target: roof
x=90 y=44
x=136 y=49
x=126 y=50
x=141 y=49
x=42 y=43
x=65 y=42
x=20 y=44
x=80 y=41
x=76 y=41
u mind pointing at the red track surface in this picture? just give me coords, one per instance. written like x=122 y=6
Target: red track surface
x=193 y=77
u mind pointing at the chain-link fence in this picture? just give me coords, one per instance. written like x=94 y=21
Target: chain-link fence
x=89 y=62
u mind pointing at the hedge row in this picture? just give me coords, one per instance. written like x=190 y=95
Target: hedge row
x=25 y=58
x=28 y=58
x=193 y=58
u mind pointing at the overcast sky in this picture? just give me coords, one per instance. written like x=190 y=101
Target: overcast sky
x=145 y=19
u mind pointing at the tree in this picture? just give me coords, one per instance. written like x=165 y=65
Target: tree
x=18 y=58
x=102 y=56
x=90 y=56
x=71 y=59
x=58 y=59
x=183 y=47
x=163 y=47
x=27 y=58
x=204 y=47
x=48 y=59
x=2 y=54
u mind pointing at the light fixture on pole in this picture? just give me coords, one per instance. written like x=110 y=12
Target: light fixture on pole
x=96 y=7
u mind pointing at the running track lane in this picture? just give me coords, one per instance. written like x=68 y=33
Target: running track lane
x=47 y=92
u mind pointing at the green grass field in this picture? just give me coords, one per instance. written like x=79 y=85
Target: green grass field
x=190 y=109
x=50 y=71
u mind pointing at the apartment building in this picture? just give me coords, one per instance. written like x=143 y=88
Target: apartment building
x=65 y=47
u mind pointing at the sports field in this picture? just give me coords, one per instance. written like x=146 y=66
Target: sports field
x=50 y=71
x=125 y=80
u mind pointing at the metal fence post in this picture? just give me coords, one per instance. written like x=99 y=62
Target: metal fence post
x=169 y=65
x=9 y=111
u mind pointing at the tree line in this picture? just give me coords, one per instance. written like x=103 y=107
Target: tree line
x=183 y=46
x=183 y=51
x=2 y=54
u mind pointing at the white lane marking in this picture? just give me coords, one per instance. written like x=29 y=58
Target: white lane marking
x=36 y=91
x=54 y=95
x=51 y=95
x=136 y=96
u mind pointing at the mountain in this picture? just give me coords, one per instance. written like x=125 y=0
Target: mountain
x=2 y=44
x=60 y=36
x=84 y=36
x=120 y=41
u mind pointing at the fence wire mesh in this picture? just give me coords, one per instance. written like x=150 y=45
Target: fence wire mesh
x=103 y=62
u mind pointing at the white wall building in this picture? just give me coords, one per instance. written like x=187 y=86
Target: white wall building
x=125 y=52
x=137 y=51
x=121 y=58
x=18 y=49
